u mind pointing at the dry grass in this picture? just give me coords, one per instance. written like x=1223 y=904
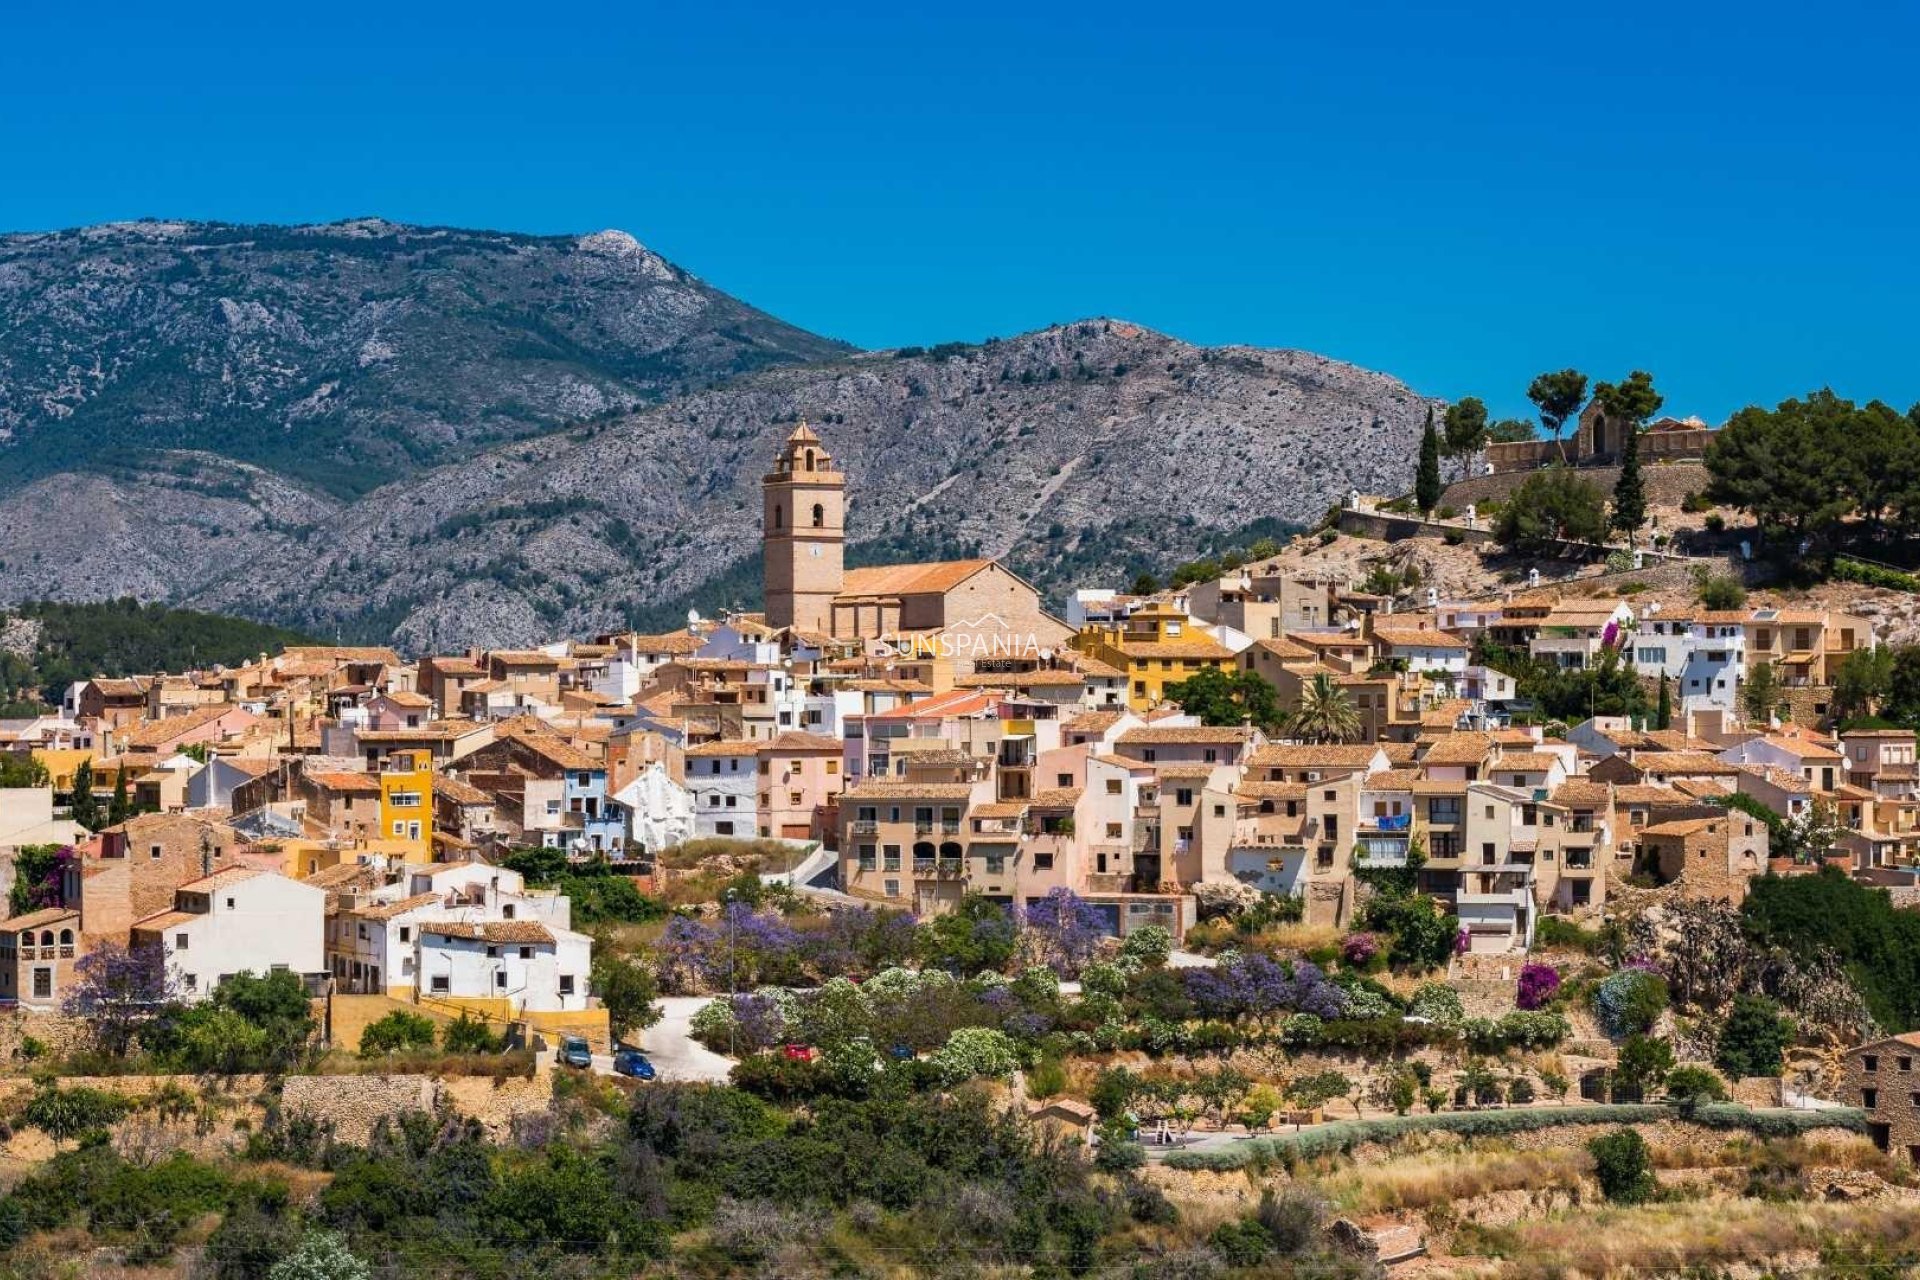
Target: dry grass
x=1673 y=1239
x=1439 y=1177
x=1296 y=938
x=769 y=855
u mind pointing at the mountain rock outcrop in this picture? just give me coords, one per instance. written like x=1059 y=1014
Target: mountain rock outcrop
x=417 y=482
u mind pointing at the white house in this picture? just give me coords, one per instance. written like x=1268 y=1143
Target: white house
x=479 y=891
x=659 y=810
x=237 y=920
x=1704 y=654
x=1817 y=763
x=212 y=785
x=723 y=778
x=371 y=949
x=1423 y=648
x=535 y=967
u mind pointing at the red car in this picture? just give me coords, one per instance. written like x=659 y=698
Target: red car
x=801 y=1053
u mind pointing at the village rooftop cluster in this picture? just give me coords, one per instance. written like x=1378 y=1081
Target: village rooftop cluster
x=924 y=732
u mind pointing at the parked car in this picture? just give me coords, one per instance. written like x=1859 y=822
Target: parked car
x=632 y=1062
x=576 y=1052
x=901 y=1053
x=801 y=1052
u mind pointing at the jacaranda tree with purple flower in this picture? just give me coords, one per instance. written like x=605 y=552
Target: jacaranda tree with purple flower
x=1256 y=985
x=744 y=948
x=118 y=991
x=1065 y=931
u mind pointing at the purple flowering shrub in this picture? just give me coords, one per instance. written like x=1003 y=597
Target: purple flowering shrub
x=1538 y=983
x=1256 y=985
x=1359 y=949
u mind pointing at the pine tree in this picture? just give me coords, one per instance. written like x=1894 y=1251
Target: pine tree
x=85 y=809
x=1426 y=481
x=1629 y=491
x=1663 y=714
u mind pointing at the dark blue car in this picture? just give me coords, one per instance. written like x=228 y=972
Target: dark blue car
x=632 y=1062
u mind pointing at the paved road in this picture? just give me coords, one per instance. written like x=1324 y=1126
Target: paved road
x=669 y=1043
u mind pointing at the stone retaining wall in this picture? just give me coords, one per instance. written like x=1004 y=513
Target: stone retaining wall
x=355 y=1104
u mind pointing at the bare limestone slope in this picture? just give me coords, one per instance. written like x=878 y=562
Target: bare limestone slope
x=447 y=436
x=1078 y=452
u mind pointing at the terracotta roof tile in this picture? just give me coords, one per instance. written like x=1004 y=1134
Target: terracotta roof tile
x=909 y=579
x=1308 y=755
x=1187 y=735
x=518 y=931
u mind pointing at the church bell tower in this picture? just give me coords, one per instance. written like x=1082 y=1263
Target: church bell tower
x=802 y=533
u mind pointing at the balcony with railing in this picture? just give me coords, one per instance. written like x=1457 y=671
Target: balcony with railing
x=1272 y=830
x=940 y=868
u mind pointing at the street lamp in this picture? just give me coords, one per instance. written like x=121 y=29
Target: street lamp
x=732 y=1005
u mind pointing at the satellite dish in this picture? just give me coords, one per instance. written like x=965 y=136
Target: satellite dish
x=693 y=619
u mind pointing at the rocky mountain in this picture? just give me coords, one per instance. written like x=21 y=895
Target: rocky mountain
x=1081 y=453
x=347 y=354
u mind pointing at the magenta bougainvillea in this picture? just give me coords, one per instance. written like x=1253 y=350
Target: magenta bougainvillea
x=1538 y=982
x=1359 y=949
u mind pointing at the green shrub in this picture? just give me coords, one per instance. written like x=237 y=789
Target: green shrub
x=1438 y=1002
x=468 y=1034
x=1555 y=931
x=1720 y=590
x=1872 y=575
x=1630 y=1002
x=1715 y=523
x=68 y=1113
x=1343 y=1136
x=1754 y=1039
x=1623 y=1166
x=1695 y=1085
x=397 y=1031
x=1241 y=1243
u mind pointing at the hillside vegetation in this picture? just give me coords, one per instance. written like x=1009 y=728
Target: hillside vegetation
x=51 y=644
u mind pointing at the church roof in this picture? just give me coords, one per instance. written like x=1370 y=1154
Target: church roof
x=910 y=579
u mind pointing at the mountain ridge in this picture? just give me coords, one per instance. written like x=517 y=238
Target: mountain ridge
x=1078 y=452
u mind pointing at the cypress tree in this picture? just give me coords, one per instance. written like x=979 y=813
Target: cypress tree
x=1663 y=715
x=85 y=809
x=1629 y=491
x=1426 y=481
x=121 y=807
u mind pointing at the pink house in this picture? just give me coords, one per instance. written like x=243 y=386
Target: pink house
x=159 y=739
x=399 y=710
x=799 y=773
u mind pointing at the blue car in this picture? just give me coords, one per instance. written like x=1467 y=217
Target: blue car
x=632 y=1062
x=576 y=1052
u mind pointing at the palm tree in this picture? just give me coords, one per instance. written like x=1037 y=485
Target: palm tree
x=1325 y=713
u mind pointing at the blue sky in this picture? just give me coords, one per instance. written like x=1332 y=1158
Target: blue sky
x=1460 y=196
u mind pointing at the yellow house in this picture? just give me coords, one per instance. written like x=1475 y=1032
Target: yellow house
x=61 y=763
x=1156 y=646
x=406 y=804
